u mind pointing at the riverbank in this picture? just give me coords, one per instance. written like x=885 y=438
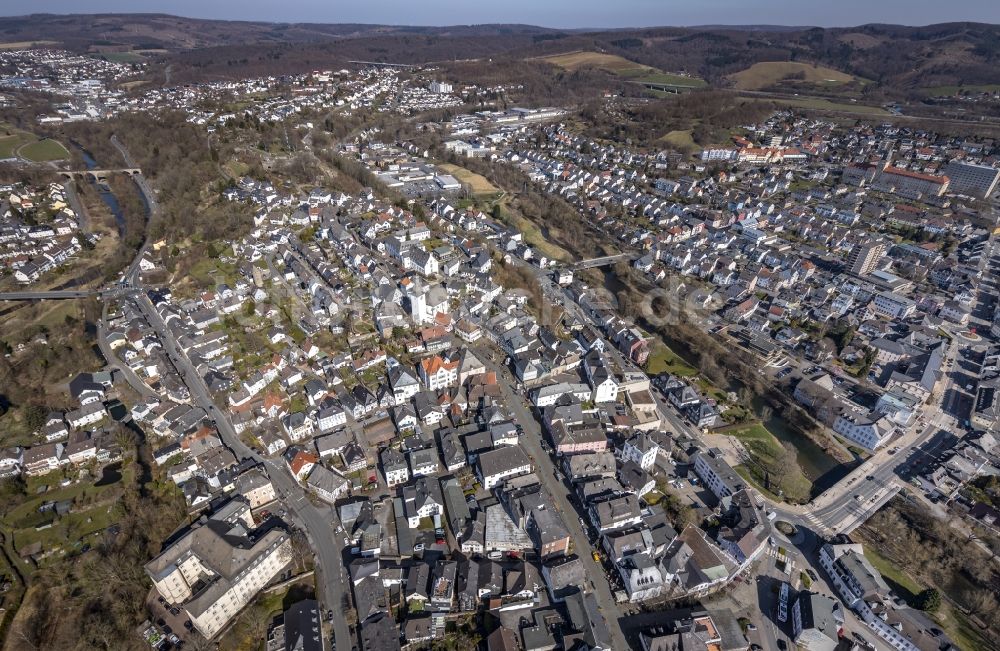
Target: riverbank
x=768 y=464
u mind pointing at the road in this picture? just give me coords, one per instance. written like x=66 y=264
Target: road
x=531 y=443
x=319 y=529
x=133 y=380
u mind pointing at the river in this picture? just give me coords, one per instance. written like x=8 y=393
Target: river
x=818 y=466
x=107 y=196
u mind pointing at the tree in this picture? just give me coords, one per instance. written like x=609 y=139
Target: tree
x=34 y=416
x=929 y=600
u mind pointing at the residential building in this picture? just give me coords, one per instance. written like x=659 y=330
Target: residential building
x=973 y=180
x=817 y=622
x=217 y=568
x=718 y=475
x=495 y=465
x=864 y=258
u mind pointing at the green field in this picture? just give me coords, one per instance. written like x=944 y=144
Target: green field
x=681 y=139
x=766 y=452
x=767 y=73
x=43 y=151
x=121 y=57
x=820 y=104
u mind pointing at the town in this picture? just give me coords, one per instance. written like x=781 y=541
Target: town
x=454 y=422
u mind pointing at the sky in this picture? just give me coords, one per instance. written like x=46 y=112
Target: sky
x=548 y=13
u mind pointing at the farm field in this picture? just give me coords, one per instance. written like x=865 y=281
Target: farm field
x=767 y=73
x=477 y=183
x=43 y=150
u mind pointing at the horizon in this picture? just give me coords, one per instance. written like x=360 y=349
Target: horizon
x=556 y=14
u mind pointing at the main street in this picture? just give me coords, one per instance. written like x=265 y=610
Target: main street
x=318 y=527
x=545 y=470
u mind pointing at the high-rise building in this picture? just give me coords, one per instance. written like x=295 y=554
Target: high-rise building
x=864 y=258
x=973 y=180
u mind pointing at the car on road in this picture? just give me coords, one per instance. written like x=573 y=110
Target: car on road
x=751 y=626
x=812 y=575
x=782 y=645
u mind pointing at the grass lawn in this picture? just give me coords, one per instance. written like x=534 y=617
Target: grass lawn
x=477 y=183
x=44 y=150
x=663 y=360
x=9 y=144
x=764 y=448
x=952 y=621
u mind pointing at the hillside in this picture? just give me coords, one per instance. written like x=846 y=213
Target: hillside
x=897 y=60
x=161 y=31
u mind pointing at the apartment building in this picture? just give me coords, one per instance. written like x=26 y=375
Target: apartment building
x=718 y=475
x=864 y=258
x=495 y=465
x=893 y=306
x=973 y=180
x=911 y=183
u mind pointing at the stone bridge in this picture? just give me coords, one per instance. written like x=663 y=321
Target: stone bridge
x=99 y=176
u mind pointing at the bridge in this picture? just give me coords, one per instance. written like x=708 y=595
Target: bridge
x=67 y=294
x=99 y=176
x=666 y=88
x=606 y=260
